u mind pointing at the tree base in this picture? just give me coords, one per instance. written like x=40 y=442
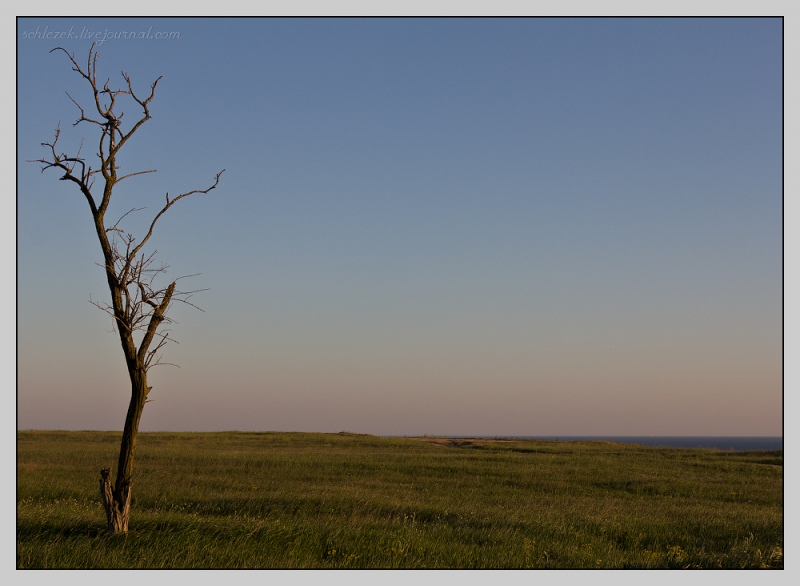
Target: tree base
x=116 y=504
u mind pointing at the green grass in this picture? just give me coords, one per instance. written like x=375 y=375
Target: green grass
x=296 y=500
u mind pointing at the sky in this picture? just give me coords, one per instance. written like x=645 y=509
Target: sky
x=425 y=226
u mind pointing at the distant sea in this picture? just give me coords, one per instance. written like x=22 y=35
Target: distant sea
x=720 y=443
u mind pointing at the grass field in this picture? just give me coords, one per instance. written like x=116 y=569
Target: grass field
x=297 y=500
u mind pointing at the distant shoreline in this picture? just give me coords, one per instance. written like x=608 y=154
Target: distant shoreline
x=737 y=443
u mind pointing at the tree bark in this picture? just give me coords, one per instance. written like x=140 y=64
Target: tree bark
x=117 y=500
x=117 y=511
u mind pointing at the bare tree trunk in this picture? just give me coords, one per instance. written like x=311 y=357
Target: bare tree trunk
x=117 y=511
x=117 y=501
x=137 y=305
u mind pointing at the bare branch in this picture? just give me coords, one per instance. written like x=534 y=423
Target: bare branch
x=183 y=297
x=134 y=174
x=156 y=318
x=122 y=217
x=169 y=204
x=61 y=161
x=83 y=117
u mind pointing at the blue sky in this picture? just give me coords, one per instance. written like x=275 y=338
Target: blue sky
x=498 y=227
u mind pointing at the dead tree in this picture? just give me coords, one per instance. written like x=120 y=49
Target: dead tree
x=138 y=304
